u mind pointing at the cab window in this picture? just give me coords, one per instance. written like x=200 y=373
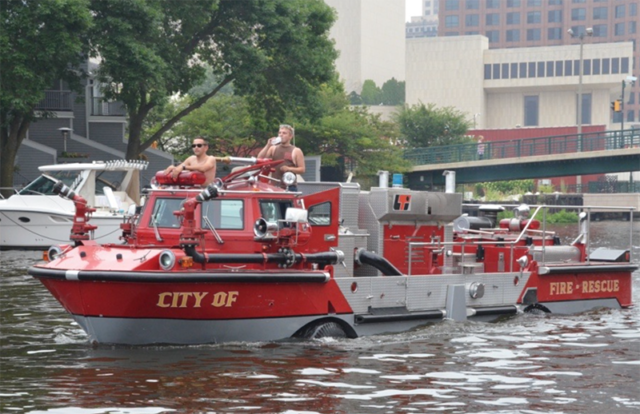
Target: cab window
x=162 y=215
x=274 y=210
x=320 y=214
x=223 y=214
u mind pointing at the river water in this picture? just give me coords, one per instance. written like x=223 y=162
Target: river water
x=587 y=363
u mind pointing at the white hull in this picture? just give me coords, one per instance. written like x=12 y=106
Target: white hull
x=35 y=229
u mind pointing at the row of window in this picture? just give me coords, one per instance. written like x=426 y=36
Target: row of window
x=518 y=70
x=452 y=5
x=553 y=33
x=533 y=17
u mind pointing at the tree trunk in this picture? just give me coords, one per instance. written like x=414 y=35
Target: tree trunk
x=11 y=139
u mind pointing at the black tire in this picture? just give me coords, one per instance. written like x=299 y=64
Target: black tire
x=537 y=309
x=325 y=330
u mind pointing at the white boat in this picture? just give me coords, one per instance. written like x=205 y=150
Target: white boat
x=36 y=218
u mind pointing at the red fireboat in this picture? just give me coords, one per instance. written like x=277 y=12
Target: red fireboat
x=246 y=260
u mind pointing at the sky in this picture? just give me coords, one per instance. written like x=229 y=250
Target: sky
x=414 y=8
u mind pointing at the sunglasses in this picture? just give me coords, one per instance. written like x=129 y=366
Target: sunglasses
x=198 y=145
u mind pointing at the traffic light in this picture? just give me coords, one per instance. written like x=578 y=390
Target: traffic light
x=616 y=106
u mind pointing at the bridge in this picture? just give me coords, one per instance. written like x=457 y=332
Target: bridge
x=545 y=157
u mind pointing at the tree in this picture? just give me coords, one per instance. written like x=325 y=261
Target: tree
x=371 y=94
x=276 y=51
x=393 y=92
x=426 y=126
x=40 y=42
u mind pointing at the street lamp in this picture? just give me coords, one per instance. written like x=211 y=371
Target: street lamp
x=65 y=134
x=588 y=32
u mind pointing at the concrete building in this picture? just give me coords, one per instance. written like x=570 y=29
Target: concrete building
x=536 y=23
x=369 y=35
x=524 y=87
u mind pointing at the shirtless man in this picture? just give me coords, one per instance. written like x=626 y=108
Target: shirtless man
x=200 y=161
x=292 y=155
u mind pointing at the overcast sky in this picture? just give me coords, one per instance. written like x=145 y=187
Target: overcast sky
x=413 y=9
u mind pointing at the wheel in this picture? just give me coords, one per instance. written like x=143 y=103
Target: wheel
x=325 y=330
x=536 y=309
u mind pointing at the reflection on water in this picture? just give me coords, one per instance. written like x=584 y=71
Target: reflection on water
x=530 y=364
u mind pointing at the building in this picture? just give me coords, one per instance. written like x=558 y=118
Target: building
x=542 y=23
x=421 y=27
x=524 y=87
x=82 y=130
x=369 y=35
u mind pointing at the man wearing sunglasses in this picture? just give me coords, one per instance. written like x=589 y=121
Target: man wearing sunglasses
x=199 y=161
x=281 y=148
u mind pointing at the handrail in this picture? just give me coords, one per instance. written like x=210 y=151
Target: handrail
x=526 y=147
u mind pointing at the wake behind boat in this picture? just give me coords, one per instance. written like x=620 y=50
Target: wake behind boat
x=245 y=260
x=36 y=218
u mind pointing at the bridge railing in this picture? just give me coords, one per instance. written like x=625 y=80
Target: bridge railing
x=526 y=147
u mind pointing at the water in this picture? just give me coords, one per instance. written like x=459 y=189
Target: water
x=587 y=363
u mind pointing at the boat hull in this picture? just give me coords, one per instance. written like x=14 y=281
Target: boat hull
x=30 y=229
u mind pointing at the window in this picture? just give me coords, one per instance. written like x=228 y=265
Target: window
x=320 y=214
x=531 y=110
x=615 y=65
x=559 y=67
x=632 y=99
x=513 y=3
x=596 y=66
x=493 y=35
x=513 y=18
x=619 y=11
x=452 y=5
x=633 y=9
x=451 y=21
x=624 y=63
x=223 y=214
x=550 y=69
x=492 y=19
x=578 y=1
x=576 y=67
x=532 y=69
x=605 y=66
x=554 y=33
x=540 y=69
x=487 y=71
x=533 y=34
x=471 y=32
x=534 y=17
x=600 y=13
x=162 y=215
x=523 y=70
x=630 y=116
x=505 y=71
x=493 y=4
x=555 y=16
x=513 y=35
x=472 y=20
x=586 y=108
x=534 y=3
x=567 y=67
x=452 y=34
x=472 y=4
x=555 y=2
x=632 y=27
x=578 y=14
x=578 y=30
x=496 y=71
x=586 y=67
x=514 y=71
x=599 y=30
x=619 y=29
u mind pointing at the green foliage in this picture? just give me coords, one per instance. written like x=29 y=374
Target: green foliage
x=546 y=189
x=563 y=216
x=371 y=94
x=511 y=187
x=427 y=126
x=276 y=52
x=393 y=92
x=40 y=42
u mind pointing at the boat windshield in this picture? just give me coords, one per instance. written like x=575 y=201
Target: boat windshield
x=43 y=185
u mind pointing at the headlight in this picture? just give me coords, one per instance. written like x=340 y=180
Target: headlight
x=53 y=253
x=288 y=178
x=167 y=260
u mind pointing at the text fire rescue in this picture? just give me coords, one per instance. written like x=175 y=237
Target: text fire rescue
x=587 y=286
x=194 y=299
